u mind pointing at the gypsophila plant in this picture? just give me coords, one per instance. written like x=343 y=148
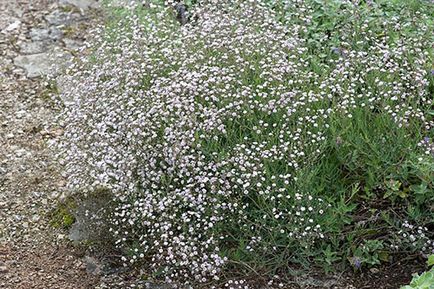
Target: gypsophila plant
x=247 y=140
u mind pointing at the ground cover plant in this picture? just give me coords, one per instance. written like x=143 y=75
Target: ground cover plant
x=258 y=139
x=425 y=280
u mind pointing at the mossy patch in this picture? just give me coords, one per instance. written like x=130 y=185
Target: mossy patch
x=62 y=216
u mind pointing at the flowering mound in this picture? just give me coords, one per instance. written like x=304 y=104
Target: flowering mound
x=210 y=135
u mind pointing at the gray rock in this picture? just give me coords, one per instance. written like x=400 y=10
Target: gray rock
x=152 y=285
x=18 y=12
x=7 y=25
x=93 y=266
x=14 y=25
x=35 y=64
x=181 y=13
x=78 y=232
x=91 y=219
x=72 y=44
x=40 y=34
x=55 y=33
x=121 y=3
x=62 y=18
x=35 y=47
x=81 y=4
x=42 y=63
x=307 y=281
x=3 y=269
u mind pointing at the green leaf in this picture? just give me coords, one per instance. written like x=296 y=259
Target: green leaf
x=383 y=256
x=388 y=194
x=403 y=194
x=419 y=189
x=430 y=261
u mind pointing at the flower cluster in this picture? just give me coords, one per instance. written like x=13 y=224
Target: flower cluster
x=415 y=237
x=427 y=146
x=201 y=130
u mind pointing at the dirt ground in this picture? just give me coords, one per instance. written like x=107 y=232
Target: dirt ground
x=32 y=253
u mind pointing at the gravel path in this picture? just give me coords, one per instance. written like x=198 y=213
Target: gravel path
x=33 y=254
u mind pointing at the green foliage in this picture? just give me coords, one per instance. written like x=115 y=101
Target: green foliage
x=369 y=172
x=430 y=261
x=328 y=258
x=368 y=253
x=425 y=280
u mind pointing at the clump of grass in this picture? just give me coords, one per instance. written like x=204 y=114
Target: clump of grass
x=252 y=140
